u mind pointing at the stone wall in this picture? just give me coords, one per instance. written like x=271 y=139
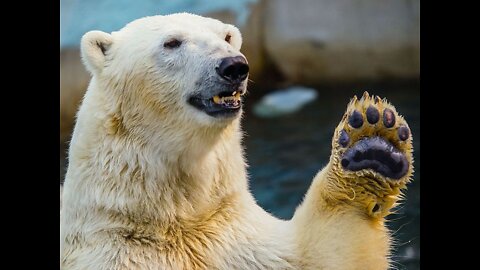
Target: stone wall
x=343 y=40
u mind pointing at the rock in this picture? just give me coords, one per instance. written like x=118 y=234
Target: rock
x=73 y=84
x=313 y=41
x=284 y=101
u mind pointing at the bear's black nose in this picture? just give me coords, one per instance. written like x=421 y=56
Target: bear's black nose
x=233 y=69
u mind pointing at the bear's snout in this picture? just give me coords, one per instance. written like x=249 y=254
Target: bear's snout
x=233 y=69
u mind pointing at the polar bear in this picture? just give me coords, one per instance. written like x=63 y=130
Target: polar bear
x=157 y=177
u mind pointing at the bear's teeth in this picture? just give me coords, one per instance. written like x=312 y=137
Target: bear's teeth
x=227 y=99
x=222 y=100
x=217 y=100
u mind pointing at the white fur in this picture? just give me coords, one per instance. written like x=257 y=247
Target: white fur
x=92 y=45
x=153 y=183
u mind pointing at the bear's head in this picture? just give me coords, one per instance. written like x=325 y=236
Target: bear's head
x=179 y=68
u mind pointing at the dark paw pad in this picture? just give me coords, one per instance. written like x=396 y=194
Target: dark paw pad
x=388 y=118
x=356 y=119
x=376 y=154
x=372 y=115
x=344 y=139
x=403 y=133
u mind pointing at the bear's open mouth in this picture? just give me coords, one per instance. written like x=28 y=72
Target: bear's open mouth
x=223 y=104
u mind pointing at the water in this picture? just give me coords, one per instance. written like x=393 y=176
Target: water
x=285 y=153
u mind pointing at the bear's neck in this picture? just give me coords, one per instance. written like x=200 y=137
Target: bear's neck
x=152 y=181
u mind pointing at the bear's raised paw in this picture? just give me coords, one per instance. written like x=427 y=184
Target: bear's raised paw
x=372 y=153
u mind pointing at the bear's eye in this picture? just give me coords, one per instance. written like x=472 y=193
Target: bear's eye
x=173 y=43
x=228 y=37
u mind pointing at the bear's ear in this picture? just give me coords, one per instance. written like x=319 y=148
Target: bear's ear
x=94 y=46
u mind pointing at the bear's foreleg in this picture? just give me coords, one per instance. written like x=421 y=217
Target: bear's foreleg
x=341 y=223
